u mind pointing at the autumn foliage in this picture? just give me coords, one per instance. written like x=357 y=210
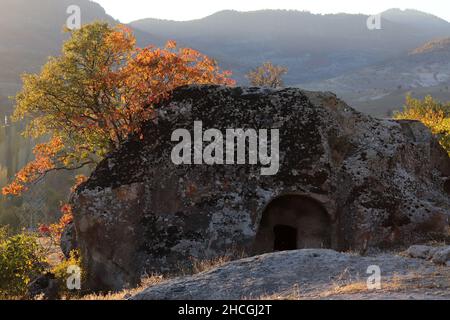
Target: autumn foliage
x=434 y=114
x=55 y=231
x=98 y=92
x=44 y=155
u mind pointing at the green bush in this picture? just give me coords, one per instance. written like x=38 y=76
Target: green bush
x=21 y=260
x=4 y=231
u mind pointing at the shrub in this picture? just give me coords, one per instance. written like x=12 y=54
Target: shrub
x=434 y=114
x=21 y=260
x=267 y=75
x=4 y=231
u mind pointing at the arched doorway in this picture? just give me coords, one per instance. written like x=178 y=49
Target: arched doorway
x=293 y=222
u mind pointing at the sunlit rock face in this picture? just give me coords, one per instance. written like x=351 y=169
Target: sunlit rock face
x=346 y=181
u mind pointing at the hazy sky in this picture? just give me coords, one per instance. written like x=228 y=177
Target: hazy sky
x=129 y=10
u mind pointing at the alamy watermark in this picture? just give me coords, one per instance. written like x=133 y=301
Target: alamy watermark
x=73 y=281
x=374 y=22
x=374 y=280
x=74 y=20
x=229 y=148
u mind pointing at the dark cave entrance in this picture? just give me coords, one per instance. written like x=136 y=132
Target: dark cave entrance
x=447 y=186
x=293 y=222
x=285 y=238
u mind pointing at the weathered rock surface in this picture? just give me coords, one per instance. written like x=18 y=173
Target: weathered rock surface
x=307 y=274
x=421 y=251
x=438 y=255
x=69 y=241
x=346 y=181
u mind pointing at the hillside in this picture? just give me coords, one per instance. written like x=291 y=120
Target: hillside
x=380 y=88
x=30 y=31
x=436 y=46
x=312 y=46
x=417 y=20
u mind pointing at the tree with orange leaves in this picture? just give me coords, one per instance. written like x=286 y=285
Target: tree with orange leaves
x=98 y=92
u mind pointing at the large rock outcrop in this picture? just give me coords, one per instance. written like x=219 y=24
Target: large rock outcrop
x=345 y=181
x=309 y=274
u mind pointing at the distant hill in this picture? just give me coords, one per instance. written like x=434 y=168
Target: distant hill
x=425 y=22
x=380 y=88
x=30 y=31
x=316 y=48
x=437 y=46
x=313 y=46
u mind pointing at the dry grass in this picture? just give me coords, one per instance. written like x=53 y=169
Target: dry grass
x=349 y=288
x=203 y=265
x=125 y=294
x=345 y=286
x=361 y=287
x=355 y=287
x=412 y=283
x=436 y=284
x=199 y=266
x=293 y=294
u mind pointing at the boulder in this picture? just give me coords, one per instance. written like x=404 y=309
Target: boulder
x=438 y=255
x=442 y=256
x=421 y=251
x=345 y=181
x=308 y=273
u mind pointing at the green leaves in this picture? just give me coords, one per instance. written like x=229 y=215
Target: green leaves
x=21 y=260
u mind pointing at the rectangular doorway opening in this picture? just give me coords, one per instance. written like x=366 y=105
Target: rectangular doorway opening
x=285 y=238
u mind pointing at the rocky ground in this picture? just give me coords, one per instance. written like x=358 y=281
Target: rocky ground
x=419 y=273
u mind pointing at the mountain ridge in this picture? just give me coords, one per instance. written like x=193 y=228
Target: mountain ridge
x=313 y=46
